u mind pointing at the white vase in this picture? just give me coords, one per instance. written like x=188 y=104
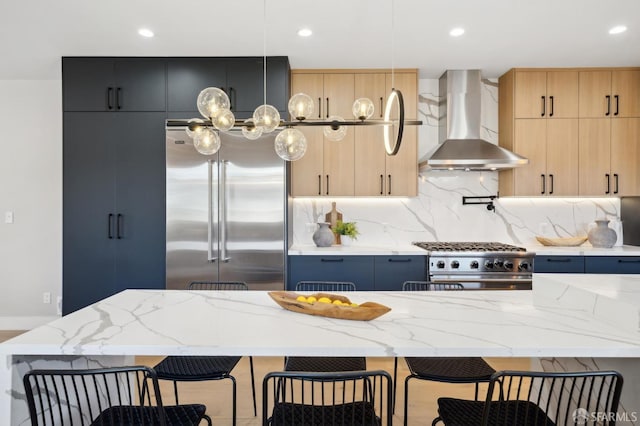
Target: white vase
x=601 y=235
x=346 y=240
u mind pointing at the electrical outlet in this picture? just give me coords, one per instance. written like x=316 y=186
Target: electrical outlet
x=59 y=305
x=46 y=297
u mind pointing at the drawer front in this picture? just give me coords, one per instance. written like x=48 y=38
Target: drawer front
x=559 y=264
x=612 y=264
x=392 y=271
x=356 y=269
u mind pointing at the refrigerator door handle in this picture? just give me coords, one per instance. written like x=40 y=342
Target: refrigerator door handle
x=223 y=212
x=210 y=257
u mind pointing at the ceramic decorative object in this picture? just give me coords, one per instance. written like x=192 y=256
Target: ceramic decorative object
x=601 y=235
x=323 y=237
x=346 y=240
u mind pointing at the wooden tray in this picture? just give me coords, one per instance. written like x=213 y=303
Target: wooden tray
x=561 y=242
x=364 y=312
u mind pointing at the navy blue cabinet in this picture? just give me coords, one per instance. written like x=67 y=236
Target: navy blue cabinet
x=391 y=271
x=356 y=269
x=559 y=264
x=612 y=264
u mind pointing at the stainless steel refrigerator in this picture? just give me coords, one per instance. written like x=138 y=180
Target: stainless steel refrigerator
x=226 y=216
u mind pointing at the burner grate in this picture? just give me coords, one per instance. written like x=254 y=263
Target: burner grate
x=469 y=246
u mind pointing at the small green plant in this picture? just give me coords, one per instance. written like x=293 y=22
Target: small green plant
x=346 y=228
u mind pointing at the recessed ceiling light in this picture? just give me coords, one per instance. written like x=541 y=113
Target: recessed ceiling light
x=618 y=29
x=305 y=32
x=456 y=32
x=145 y=32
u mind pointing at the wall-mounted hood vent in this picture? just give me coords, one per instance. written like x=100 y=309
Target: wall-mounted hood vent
x=461 y=147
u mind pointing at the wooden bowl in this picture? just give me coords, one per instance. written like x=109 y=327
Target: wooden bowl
x=561 y=242
x=364 y=312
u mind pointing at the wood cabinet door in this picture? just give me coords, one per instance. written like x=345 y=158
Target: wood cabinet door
x=562 y=94
x=307 y=173
x=407 y=83
x=312 y=85
x=338 y=95
x=594 y=94
x=338 y=166
x=529 y=141
x=369 y=161
x=402 y=169
x=625 y=156
x=531 y=94
x=372 y=86
x=594 y=157
x=625 y=89
x=562 y=157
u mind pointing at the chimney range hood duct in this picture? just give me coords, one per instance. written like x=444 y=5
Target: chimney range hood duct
x=461 y=147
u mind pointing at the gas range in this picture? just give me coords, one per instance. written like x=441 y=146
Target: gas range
x=479 y=265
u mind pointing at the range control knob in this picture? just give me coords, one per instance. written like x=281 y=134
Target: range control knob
x=488 y=264
x=440 y=264
x=523 y=266
x=474 y=264
x=455 y=264
x=508 y=264
x=499 y=263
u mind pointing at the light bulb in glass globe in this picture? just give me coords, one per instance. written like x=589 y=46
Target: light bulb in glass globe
x=300 y=106
x=210 y=100
x=250 y=130
x=223 y=119
x=335 y=132
x=193 y=124
x=362 y=108
x=267 y=117
x=206 y=141
x=290 y=144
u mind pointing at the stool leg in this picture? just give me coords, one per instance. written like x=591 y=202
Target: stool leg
x=395 y=383
x=175 y=391
x=406 y=400
x=233 y=380
x=253 y=387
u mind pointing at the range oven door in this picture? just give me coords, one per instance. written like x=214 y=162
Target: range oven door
x=487 y=281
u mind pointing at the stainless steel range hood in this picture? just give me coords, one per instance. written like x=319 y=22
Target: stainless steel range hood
x=461 y=147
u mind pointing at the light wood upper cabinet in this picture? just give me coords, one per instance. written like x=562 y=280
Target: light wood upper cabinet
x=312 y=85
x=595 y=157
x=338 y=95
x=625 y=156
x=546 y=94
x=372 y=86
x=610 y=94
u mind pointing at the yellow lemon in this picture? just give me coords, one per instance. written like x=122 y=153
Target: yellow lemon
x=301 y=299
x=324 y=300
x=337 y=302
x=311 y=299
x=355 y=305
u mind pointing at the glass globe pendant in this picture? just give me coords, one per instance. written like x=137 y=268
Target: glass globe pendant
x=267 y=117
x=300 y=106
x=290 y=144
x=192 y=122
x=210 y=100
x=223 y=119
x=250 y=130
x=335 y=132
x=362 y=108
x=206 y=141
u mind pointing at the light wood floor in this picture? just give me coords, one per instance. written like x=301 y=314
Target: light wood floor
x=216 y=395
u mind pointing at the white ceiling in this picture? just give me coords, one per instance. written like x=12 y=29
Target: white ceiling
x=500 y=34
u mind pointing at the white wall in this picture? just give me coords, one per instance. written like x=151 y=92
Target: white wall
x=31 y=187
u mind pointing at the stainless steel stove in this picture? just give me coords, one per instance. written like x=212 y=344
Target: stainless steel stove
x=479 y=265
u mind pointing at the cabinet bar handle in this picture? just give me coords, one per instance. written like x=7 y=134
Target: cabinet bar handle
x=327 y=184
x=608 y=105
x=381 y=113
x=628 y=261
x=119 y=227
x=608 y=191
x=110 y=226
x=381 y=184
x=319 y=184
x=551 y=112
x=109 y=96
x=389 y=189
x=615 y=183
x=551 y=184
x=118 y=98
x=327 y=107
x=617 y=104
x=544 y=184
x=561 y=260
x=544 y=106
x=319 y=107
x=325 y=259
x=398 y=260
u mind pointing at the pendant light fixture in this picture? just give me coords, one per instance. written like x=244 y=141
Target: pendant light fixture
x=290 y=143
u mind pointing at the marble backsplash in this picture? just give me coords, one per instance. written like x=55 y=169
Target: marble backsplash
x=437 y=214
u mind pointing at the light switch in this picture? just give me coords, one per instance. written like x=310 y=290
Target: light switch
x=8 y=217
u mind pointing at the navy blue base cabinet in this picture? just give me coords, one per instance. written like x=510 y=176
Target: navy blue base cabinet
x=612 y=265
x=380 y=273
x=559 y=264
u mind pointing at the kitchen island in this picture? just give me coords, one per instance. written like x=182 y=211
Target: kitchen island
x=479 y=323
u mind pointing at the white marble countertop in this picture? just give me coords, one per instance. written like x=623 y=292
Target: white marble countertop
x=471 y=323
x=409 y=249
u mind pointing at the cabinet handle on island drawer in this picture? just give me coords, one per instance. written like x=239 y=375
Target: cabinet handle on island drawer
x=398 y=260
x=562 y=260
x=629 y=261
x=325 y=259
x=544 y=106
